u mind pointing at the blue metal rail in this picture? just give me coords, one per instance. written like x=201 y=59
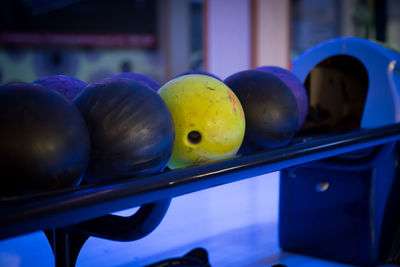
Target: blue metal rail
x=67 y=207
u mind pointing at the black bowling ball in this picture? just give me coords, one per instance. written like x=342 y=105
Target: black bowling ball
x=138 y=77
x=269 y=106
x=131 y=130
x=44 y=141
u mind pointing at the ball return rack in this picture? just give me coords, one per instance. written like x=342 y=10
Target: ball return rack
x=68 y=217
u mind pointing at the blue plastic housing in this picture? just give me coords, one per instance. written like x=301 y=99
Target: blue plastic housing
x=336 y=210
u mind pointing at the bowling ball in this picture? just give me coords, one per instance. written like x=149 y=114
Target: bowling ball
x=197 y=72
x=66 y=85
x=138 y=77
x=297 y=87
x=44 y=141
x=270 y=108
x=208 y=117
x=131 y=130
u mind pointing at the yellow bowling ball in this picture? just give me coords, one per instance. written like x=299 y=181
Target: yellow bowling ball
x=208 y=117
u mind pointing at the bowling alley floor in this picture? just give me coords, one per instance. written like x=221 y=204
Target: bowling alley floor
x=236 y=223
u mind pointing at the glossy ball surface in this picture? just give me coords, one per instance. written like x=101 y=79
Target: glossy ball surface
x=209 y=120
x=44 y=141
x=270 y=108
x=297 y=87
x=131 y=130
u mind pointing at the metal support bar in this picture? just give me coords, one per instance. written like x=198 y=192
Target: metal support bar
x=60 y=209
x=66 y=246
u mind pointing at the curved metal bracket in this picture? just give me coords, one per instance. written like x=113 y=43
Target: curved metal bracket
x=118 y=228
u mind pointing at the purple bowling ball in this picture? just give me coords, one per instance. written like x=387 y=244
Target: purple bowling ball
x=196 y=72
x=139 y=78
x=65 y=85
x=297 y=87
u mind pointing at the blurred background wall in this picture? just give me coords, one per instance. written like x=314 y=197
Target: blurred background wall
x=93 y=39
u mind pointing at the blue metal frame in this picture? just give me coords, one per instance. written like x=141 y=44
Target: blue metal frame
x=62 y=208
